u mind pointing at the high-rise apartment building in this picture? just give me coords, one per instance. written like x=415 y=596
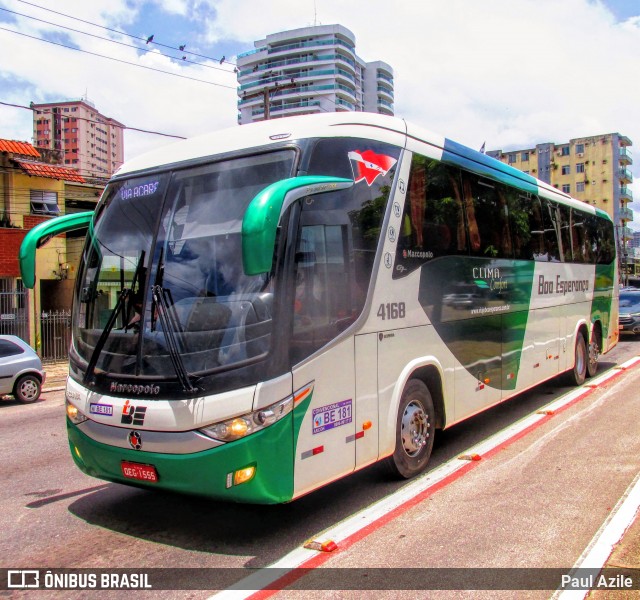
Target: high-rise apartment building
x=592 y=169
x=310 y=70
x=79 y=136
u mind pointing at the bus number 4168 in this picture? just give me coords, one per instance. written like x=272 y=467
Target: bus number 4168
x=392 y=310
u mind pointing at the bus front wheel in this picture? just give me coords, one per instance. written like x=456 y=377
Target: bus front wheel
x=415 y=428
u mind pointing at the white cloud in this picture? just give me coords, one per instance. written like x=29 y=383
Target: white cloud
x=511 y=73
x=141 y=98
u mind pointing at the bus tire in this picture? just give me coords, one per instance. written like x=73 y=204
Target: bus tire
x=415 y=429
x=578 y=374
x=594 y=353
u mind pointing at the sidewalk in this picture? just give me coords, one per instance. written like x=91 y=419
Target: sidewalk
x=57 y=373
x=625 y=555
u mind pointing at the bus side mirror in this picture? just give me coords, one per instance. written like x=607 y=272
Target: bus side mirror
x=261 y=219
x=40 y=235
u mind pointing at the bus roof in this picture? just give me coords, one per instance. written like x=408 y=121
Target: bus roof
x=265 y=133
x=393 y=130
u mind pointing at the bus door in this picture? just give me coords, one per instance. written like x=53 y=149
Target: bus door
x=324 y=419
x=367 y=418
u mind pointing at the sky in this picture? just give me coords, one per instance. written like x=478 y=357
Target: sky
x=506 y=73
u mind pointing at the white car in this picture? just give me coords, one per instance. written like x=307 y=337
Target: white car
x=21 y=373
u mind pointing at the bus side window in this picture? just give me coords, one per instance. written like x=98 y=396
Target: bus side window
x=486 y=209
x=552 y=237
x=527 y=229
x=327 y=296
x=601 y=239
x=564 y=226
x=579 y=242
x=432 y=221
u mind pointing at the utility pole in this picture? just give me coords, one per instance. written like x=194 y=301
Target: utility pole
x=267 y=93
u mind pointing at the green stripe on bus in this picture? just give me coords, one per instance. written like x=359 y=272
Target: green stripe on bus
x=483 y=325
x=202 y=473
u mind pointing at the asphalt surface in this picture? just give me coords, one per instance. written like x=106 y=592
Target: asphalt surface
x=625 y=554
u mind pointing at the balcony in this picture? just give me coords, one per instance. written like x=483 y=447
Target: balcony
x=625 y=176
x=626 y=195
x=315 y=43
x=626 y=233
x=626 y=214
x=349 y=105
x=386 y=92
x=625 y=156
x=346 y=91
x=290 y=107
x=385 y=77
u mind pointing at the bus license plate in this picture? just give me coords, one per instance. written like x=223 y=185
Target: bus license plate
x=139 y=472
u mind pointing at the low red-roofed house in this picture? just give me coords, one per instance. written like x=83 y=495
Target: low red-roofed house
x=32 y=191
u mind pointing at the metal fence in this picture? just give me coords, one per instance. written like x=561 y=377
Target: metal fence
x=53 y=330
x=55 y=335
x=14 y=316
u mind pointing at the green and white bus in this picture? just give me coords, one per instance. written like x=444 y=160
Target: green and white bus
x=264 y=310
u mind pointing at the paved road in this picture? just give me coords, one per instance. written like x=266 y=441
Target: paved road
x=536 y=503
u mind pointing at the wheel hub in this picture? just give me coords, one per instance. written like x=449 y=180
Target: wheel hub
x=415 y=428
x=29 y=389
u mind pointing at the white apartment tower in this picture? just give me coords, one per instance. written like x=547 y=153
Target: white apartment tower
x=310 y=70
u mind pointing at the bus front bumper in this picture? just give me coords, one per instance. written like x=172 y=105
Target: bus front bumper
x=210 y=473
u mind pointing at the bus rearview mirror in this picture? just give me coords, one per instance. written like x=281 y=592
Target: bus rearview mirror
x=260 y=222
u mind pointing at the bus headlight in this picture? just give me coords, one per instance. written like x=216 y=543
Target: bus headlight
x=75 y=416
x=239 y=427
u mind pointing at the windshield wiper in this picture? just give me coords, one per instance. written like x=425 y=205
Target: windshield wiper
x=170 y=325
x=124 y=294
x=126 y=312
x=158 y=283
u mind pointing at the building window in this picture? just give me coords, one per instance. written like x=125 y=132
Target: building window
x=565 y=151
x=580 y=148
x=566 y=188
x=44 y=202
x=512 y=158
x=524 y=157
x=580 y=186
x=580 y=168
x=566 y=169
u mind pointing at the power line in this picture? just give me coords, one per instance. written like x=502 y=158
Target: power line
x=117 y=59
x=184 y=59
x=180 y=137
x=180 y=49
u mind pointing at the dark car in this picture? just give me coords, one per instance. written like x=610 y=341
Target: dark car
x=629 y=317
x=21 y=373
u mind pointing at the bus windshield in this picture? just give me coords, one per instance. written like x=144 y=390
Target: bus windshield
x=161 y=278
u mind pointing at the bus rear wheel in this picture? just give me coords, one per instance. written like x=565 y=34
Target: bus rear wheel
x=594 y=353
x=578 y=374
x=415 y=428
